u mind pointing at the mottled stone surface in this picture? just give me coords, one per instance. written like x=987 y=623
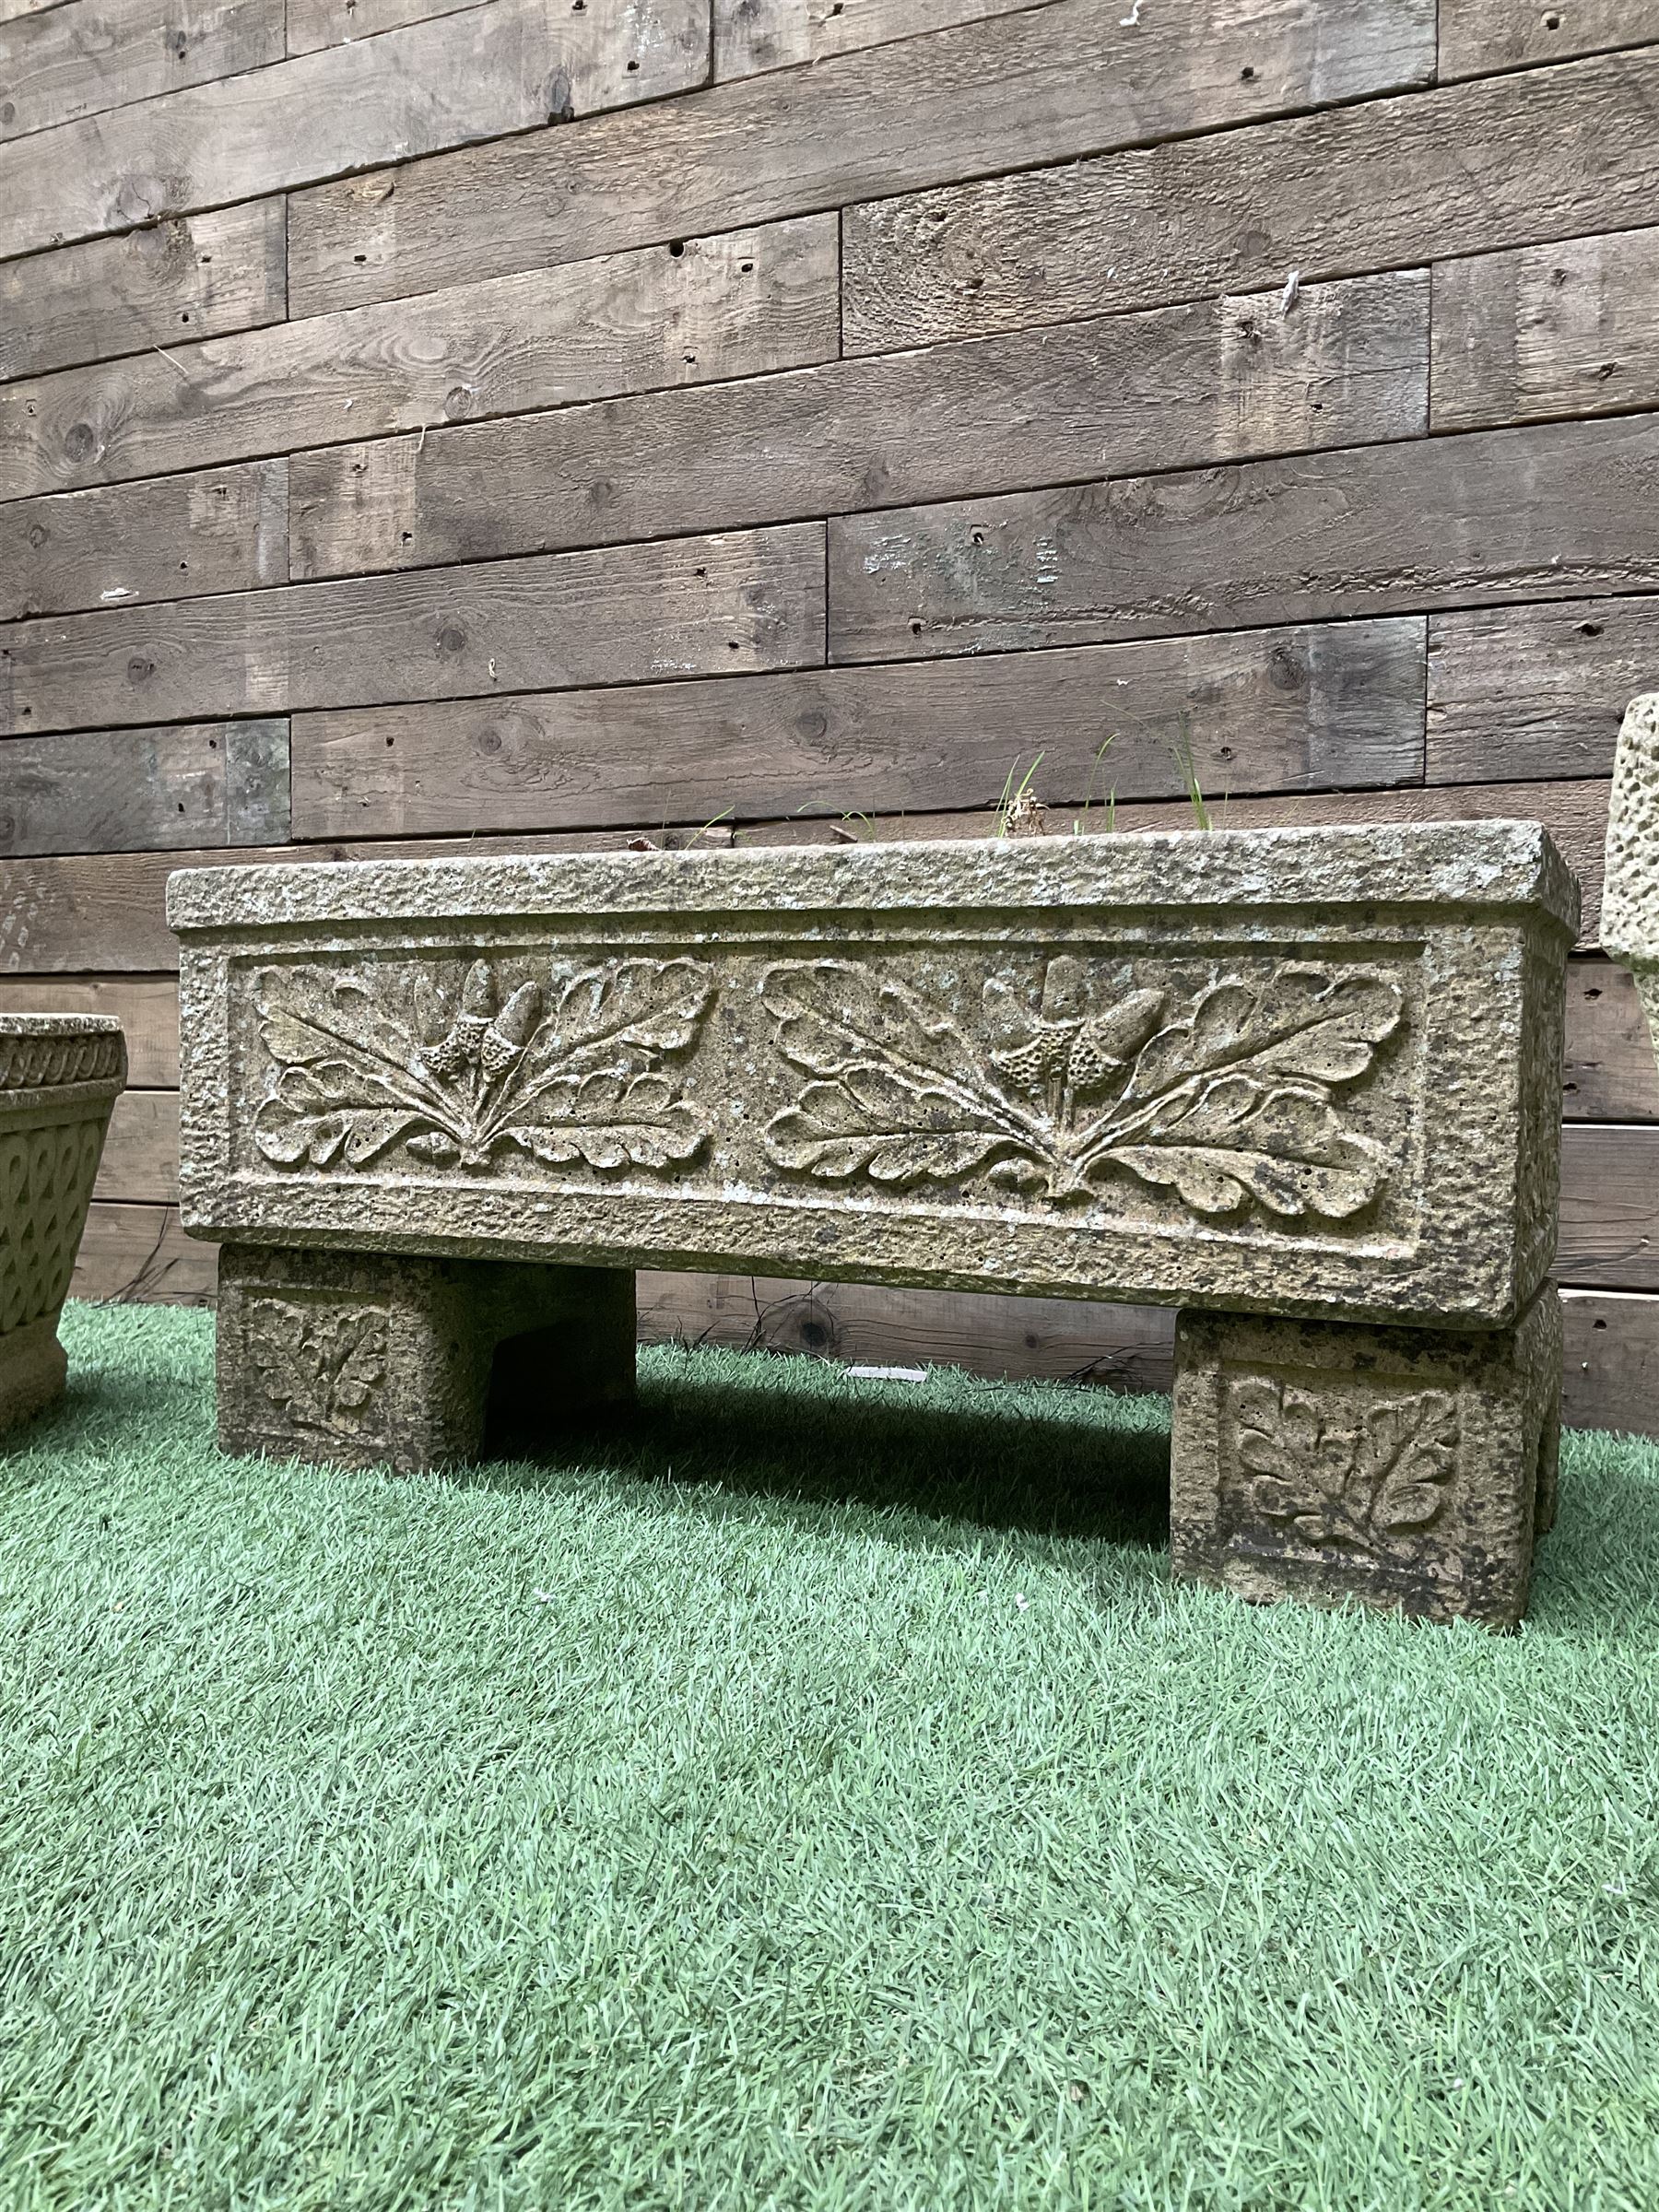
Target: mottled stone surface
x=1297 y=1071
x=60 y=1074
x=1406 y=1468
x=1629 y=925
x=359 y=1359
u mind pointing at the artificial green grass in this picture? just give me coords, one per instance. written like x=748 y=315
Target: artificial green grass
x=857 y=1818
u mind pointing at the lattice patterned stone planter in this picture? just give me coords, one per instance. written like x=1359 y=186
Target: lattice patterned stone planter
x=1630 y=924
x=1310 y=1074
x=60 y=1074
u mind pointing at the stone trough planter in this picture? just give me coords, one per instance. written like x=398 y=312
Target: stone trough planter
x=1304 y=1085
x=60 y=1076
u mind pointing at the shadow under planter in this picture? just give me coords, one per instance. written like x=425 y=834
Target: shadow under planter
x=60 y=1076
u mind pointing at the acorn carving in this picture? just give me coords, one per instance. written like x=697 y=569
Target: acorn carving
x=1042 y=1056
x=461 y=1048
x=510 y=1031
x=1067 y=1043
x=477 y=1003
x=448 y=1055
x=1105 y=1042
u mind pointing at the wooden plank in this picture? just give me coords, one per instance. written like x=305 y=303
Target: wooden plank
x=1610 y=1073
x=196 y=275
x=1554 y=510
x=312 y=24
x=1041 y=85
x=139 y=1255
x=146 y=1006
x=175 y=538
x=1612 y=1337
x=71 y=913
x=107 y=912
x=1608 y=1222
x=692 y=607
x=97 y=55
x=1534 y=691
x=1260 y=709
x=1609 y=1063
x=1206 y=382
x=1128 y=1348
x=1612 y=1364
x=1609 y=1207
x=10 y=10
x=1387 y=183
x=132 y=791
x=511 y=65
x=754 y=35
x=1610 y=1225
x=1574 y=814
x=733 y=306
x=1480 y=36
x=1566 y=329
x=66 y=914
x=141 y=1151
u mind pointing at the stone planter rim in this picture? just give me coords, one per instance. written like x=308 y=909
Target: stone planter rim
x=59 y=1025
x=1480 y=865
x=27 y=1086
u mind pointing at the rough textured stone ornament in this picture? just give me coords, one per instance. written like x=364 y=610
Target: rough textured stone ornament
x=1309 y=1073
x=1629 y=923
x=1403 y=1467
x=60 y=1074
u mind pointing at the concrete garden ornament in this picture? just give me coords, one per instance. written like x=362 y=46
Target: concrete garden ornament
x=60 y=1076
x=1302 y=1084
x=1629 y=924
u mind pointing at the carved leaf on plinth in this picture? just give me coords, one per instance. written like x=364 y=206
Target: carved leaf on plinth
x=576 y=1070
x=1374 y=1472
x=323 y=1366
x=1225 y=1096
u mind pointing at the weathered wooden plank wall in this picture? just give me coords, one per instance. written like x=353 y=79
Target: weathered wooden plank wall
x=529 y=426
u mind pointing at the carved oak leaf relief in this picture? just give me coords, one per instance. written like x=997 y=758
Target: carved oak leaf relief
x=323 y=1367
x=577 y=1069
x=1354 y=1482
x=1225 y=1096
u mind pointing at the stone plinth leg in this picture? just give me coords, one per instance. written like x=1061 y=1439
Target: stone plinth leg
x=358 y=1360
x=1406 y=1468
